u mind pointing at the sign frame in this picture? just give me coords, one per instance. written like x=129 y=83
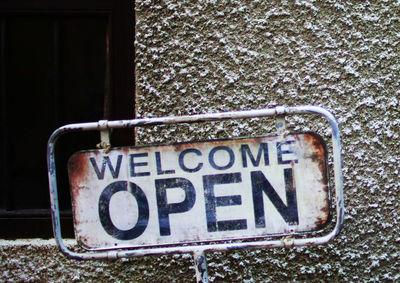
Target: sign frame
x=196 y=248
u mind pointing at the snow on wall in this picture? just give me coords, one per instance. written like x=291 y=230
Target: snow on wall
x=202 y=56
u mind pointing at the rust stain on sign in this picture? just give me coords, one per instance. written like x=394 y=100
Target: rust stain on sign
x=200 y=191
x=77 y=171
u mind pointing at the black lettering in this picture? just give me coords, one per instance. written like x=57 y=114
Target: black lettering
x=104 y=210
x=159 y=168
x=245 y=149
x=182 y=164
x=281 y=152
x=260 y=184
x=165 y=208
x=138 y=164
x=212 y=202
x=231 y=157
x=106 y=162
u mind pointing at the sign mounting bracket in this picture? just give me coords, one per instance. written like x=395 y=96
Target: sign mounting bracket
x=105 y=142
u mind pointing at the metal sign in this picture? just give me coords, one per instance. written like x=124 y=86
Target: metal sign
x=136 y=201
x=196 y=192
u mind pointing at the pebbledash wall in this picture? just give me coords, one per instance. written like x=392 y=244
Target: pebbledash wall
x=206 y=56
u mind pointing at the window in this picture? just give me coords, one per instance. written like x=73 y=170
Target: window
x=60 y=63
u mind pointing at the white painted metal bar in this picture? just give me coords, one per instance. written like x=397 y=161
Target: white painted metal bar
x=200 y=265
x=198 y=249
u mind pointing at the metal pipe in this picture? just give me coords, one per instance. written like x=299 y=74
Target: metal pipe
x=200 y=266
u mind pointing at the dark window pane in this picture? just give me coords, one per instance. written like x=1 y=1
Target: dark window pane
x=29 y=117
x=83 y=71
x=54 y=72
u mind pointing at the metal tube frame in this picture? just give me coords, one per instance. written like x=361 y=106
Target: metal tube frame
x=197 y=250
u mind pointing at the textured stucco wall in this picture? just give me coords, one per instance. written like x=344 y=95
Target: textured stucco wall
x=206 y=56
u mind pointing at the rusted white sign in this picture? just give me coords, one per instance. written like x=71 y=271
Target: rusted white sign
x=200 y=191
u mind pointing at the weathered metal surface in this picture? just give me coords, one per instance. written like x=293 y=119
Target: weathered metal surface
x=196 y=192
x=200 y=265
x=268 y=243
